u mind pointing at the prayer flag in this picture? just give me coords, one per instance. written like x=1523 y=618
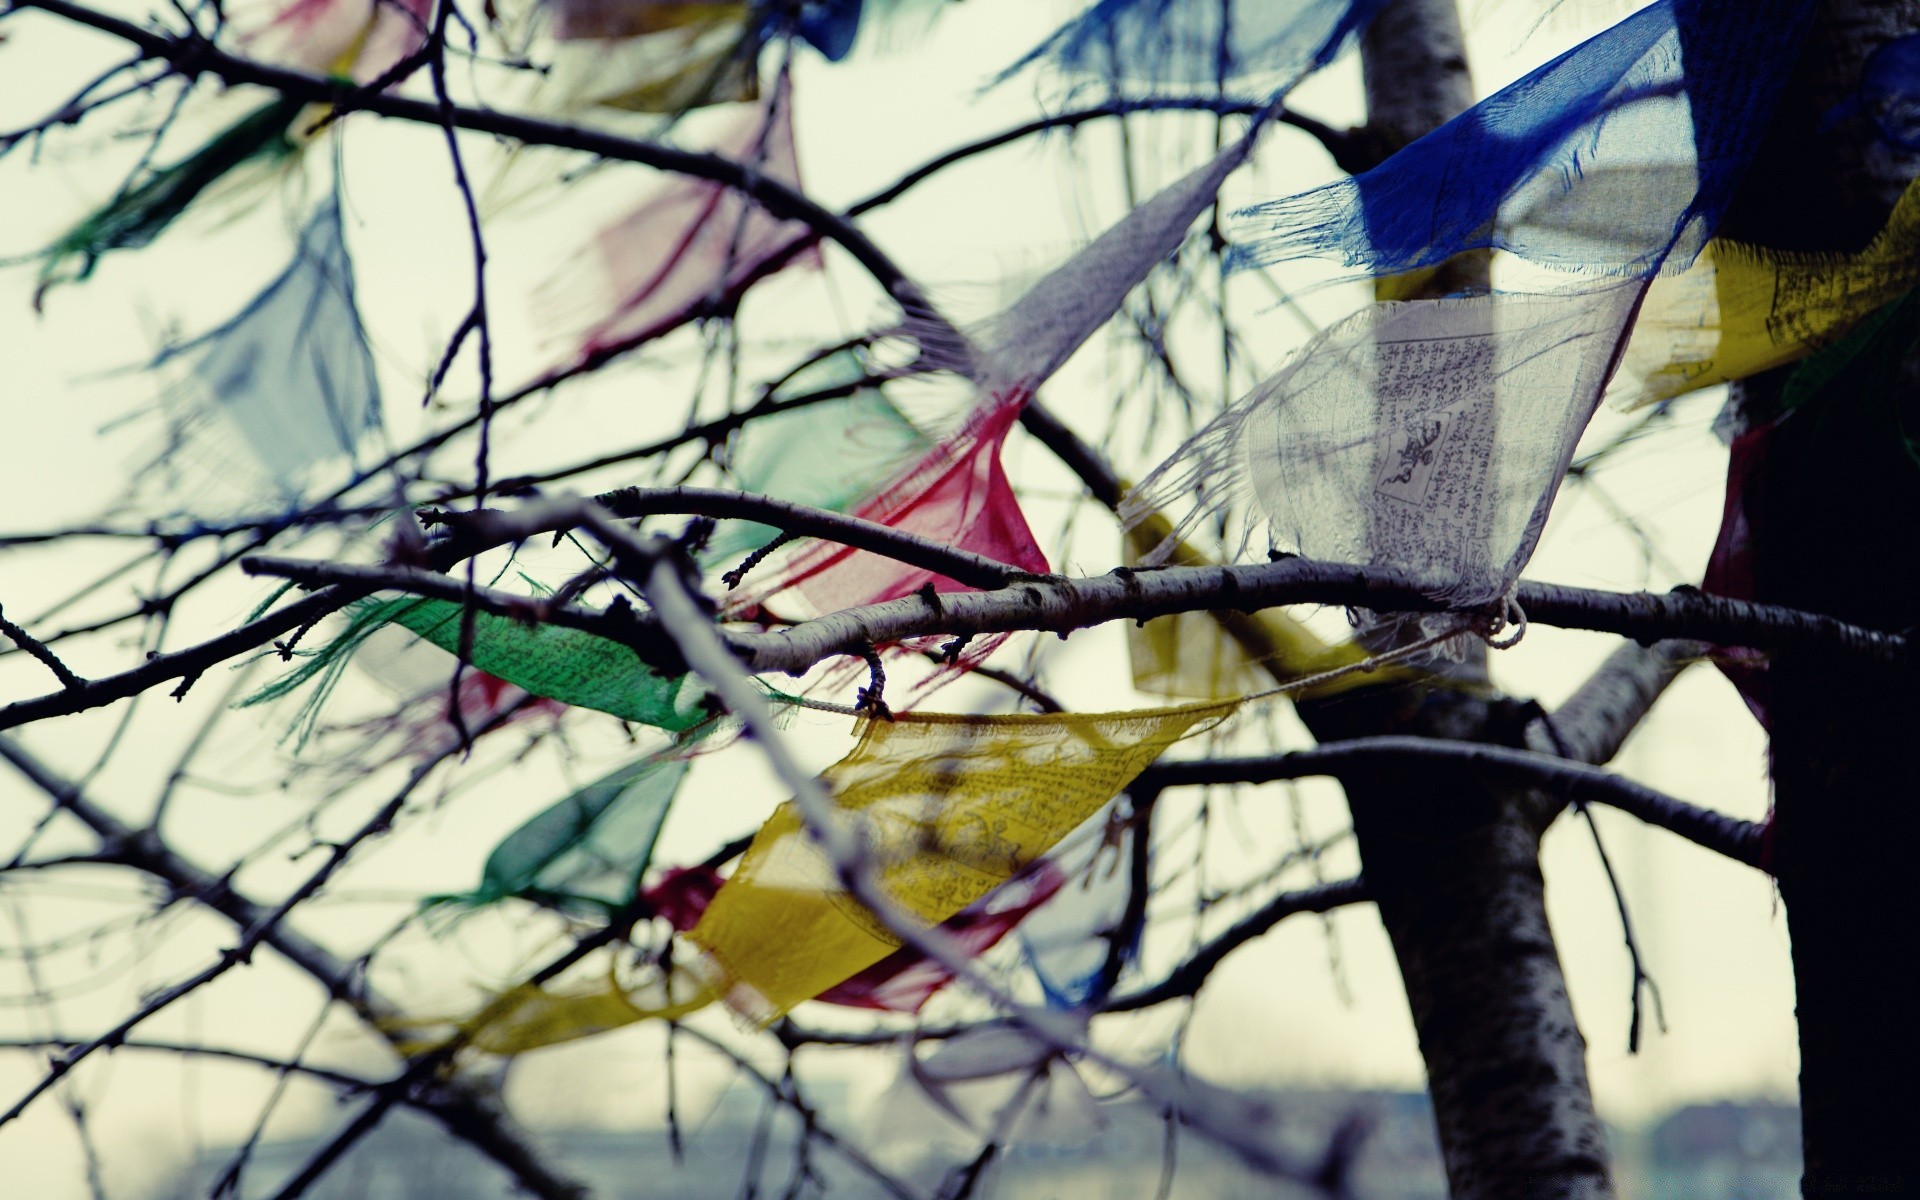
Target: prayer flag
x=1740 y=309
x=653 y=57
x=359 y=39
x=958 y=492
x=141 y=211
x=830 y=454
x=1424 y=435
x=1661 y=111
x=576 y=20
x=692 y=243
x=1023 y=346
x=588 y=850
x=906 y=979
x=1068 y=942
x=1182 y=41
x=566 y=665
x=948 y=808
x=292 y=371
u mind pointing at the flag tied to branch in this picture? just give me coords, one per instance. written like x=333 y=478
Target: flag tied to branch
x=587 y=851
x=830 y=454
x=1182 y=41
x=568 y=666
x=906 y=979
x=1422 y=435
x=1431 y=435
x=693 y=243
x=359 y=39
x=660 y=57
x=949 y=808
x=292 y=371
x=1740 y=309
x=1619 y=156
x=356 y=39
x=958 y=493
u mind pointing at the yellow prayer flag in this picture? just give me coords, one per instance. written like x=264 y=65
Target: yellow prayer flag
x=949 y=807
x=1742 y=309
x=1219 y=655
x=527 y=1017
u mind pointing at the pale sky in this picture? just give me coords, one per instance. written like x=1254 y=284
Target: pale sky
x=1712 y=933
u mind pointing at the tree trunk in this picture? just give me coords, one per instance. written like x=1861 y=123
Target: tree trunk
x=1457 y=880
x=1832 y=517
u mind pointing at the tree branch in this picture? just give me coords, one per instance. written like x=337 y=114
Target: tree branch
x=1573 y=781
x=466 y=1110
x=192 y=55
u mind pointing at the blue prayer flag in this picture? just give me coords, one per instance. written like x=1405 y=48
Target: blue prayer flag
x=1182 y=41
x=292 y=371
x=1661 y=112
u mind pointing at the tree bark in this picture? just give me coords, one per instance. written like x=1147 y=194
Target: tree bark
x=1457 y=880
x=1831 y=515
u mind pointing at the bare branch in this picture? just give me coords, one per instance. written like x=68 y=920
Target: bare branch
x=1186 y=979
x=465 y=1109
x=1574 y=781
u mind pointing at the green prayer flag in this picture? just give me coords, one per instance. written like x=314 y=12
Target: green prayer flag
x=589 y=849
x=829 y=455
x=568 y=665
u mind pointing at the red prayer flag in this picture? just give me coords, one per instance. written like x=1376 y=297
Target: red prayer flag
x=693 y=242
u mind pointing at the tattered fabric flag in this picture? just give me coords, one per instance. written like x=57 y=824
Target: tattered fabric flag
x=948 y=807
x=141 y=212
x=567 y=665
x=434 y=709
x=1888 y=95
x=906 y=979
x=292 y=371
x=1022 y=347
x=1619 y=156
x=1429 y=436
x=1742 y=309
x=1220 y=655
x=828 y=455
x=695 y=242
x=587 y=851
x=1182 y=41
x=1069 y=942
x=358 y=39
x=653 y=58
x=958 y=493
x=575 y=20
